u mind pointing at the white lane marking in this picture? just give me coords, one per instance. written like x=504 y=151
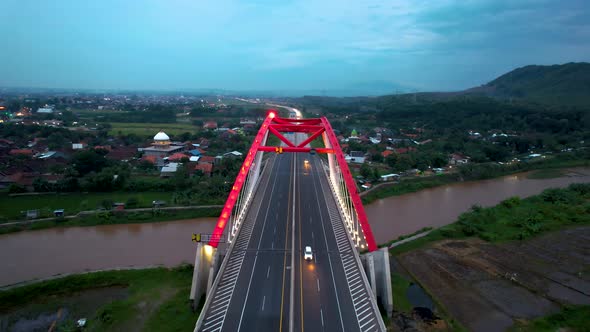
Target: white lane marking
x=312 y=235
x=263 y=300
x=322 y=316
x=365 y=310
x=318 y=280
x=292 y=290
x=367 y=322
x=268 y=272
x=275 y=231
x=256 y=257
x=237 y=259
x=329 y=259
x=272 y=245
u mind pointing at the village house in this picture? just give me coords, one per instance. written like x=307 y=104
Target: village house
x=169 y=170
x=390 y=177
x=210 y=125
x=386 y=153
x=206 y=168
x=458 y=159
x=357 y=157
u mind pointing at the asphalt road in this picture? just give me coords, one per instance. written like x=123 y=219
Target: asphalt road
x=276 y=289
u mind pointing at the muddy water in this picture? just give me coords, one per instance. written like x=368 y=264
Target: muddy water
x=41 y=254
x=395 y=216
x=44 y=253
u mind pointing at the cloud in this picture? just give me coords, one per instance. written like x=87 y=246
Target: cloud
x=440 y=44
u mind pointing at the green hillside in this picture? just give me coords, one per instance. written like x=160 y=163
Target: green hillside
x=564 y=85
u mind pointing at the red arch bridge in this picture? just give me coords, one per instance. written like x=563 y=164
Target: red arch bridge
x=292 y=249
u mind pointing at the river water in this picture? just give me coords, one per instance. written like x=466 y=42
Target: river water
x=45 y=253
x=394 y=216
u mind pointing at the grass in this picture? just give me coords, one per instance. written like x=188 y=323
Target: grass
x=113 y=218
x=403 y=237
x=545 y=174
x=11 y=206
x=150 y=129
x=157 y=301
x=399 y=289
x=575 y=318
x=515 y=218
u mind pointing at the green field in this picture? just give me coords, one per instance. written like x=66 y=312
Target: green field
x=152 y=300
x=573 y=318
x=11 y=207
x=150 y=129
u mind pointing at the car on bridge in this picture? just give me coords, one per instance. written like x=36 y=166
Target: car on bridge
x=308 y=255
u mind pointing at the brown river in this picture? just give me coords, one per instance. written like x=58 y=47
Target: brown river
x=45 y=253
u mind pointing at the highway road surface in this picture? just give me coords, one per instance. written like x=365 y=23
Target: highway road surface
x=266 y=285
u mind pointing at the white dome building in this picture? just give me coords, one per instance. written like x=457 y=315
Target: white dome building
x=162 y=147
x=161 y=139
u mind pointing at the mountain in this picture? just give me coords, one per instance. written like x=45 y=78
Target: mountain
x=566 y=85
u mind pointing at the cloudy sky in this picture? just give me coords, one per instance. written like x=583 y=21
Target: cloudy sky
x=283 y=44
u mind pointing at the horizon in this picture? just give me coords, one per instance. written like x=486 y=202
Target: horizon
x=235 y=46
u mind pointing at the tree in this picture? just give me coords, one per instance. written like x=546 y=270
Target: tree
x=16 y=188
x=376 y=174
x=366 y=171
x=377 y=157
x=88 y=161
x=41 y=185
x=146 y=165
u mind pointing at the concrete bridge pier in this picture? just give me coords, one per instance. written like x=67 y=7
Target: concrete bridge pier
x=206 y=264
x=376 y=265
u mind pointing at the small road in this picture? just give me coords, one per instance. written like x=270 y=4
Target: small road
x=89 y=212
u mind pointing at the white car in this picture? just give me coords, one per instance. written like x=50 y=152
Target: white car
x=308 y=255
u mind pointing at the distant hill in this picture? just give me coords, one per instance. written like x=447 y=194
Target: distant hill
x=567 y=85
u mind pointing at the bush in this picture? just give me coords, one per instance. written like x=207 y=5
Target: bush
x=511 y=202
x=16 y=189
x=558 y=196
x=580 y=188
x=132 y=202
x=107 y=204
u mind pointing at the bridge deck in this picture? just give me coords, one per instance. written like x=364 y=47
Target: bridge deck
x=293 y=208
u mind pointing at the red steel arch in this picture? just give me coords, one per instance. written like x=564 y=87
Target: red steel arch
x=314 y=127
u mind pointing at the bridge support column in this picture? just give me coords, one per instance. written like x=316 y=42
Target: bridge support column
x=376 y=265
x=204 y=257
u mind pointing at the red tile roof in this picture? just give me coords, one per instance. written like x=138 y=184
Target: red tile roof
x=27 y=152
x=210 y=125
x=207 y=159
x=151 y=159
x=177 y=156
x=205 y=168
x=386 y=153
x=122 y=153
x=103 y=147
x=404 y=150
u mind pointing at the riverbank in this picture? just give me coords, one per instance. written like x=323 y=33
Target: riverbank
x=132 y=216
x=13 y=207
x=515 y=218
x=147 y=300
x=475 y=172
x=505 y=266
